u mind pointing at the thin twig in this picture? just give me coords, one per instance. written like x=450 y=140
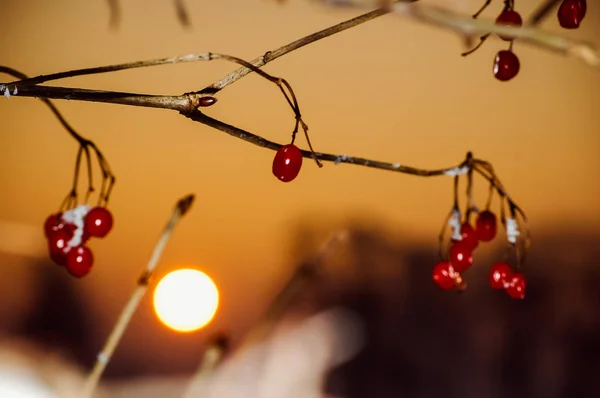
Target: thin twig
x=182 y=14
x=212 y=356
x=302 y=277
x=542 y=12
x=115 y=13
x=114 y=68
x=273 y=55
x=181 y=208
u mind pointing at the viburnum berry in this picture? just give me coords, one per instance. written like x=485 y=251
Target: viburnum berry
x=509 y=18
x=98 y=222
x=79 y=261
x=516 y=288
x=58 y=258
x=571 y=13
x=58 y=242
x=53 y=223
x=461 y=256
x=287 y=162
x=486 y=226
x=444 y=275
x=469 y=236
x=500 y=275
x=506 y=65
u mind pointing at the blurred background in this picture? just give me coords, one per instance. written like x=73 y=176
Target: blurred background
x=391 y=90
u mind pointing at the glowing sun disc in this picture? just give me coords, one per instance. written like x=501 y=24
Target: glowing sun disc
x=186 y=300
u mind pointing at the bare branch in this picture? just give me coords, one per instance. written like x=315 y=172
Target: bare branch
x=178 y=102
x=438 y=16
x=327 y=157
x=273 y=55
x=114 y=68
x=187 y=103
x=180 y=209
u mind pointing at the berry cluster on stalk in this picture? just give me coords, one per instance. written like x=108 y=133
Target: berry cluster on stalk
x=69 y=230
x=506 y=63
x=467 y=237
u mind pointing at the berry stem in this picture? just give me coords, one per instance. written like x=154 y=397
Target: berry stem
x=455 y=193
x=108 y=179
x=130 y=307
x=455 y=209
x=482 y=9
x=482 y=40
x=442 y=234
x=469 y=188
x=488 y=203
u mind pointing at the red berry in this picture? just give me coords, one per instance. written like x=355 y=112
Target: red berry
x=469 y=236
x=486 y=226
x=287 y=162
x=500 y=274
x=516 y=289
x=444 y=275
x=57 y=244
x=571 y=13
x=509 y=18
x=59 y=258
x=506 y=65
x=79 y=261
x=461 y=256
x=98 y=222
x=53 y=223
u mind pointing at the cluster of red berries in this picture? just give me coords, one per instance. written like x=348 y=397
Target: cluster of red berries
x=447 y=274
x=287 y=163
x=506 y=63
x=68 y=233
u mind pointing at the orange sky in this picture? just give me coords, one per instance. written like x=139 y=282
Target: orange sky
x=390 y=89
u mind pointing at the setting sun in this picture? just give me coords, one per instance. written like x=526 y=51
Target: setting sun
x=186 y=300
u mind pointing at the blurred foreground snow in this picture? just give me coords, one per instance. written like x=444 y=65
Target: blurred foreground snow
x=292 y=363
